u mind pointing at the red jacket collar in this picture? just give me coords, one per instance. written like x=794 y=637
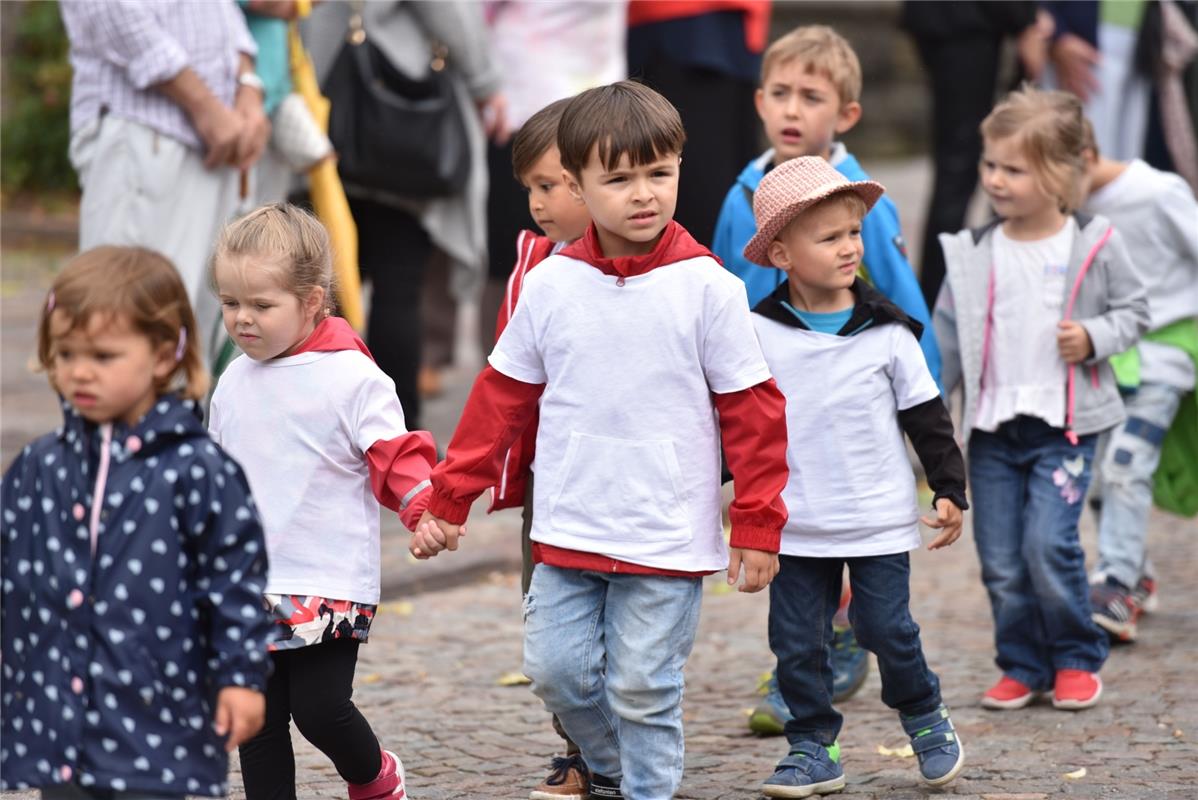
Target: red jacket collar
x=332 y=334
x=674 y=245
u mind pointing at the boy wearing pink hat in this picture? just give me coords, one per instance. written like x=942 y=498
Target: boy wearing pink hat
x=851 y=493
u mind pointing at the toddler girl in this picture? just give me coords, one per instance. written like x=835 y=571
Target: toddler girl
x=1033 y=305
x=321 y=434
x=133 y=560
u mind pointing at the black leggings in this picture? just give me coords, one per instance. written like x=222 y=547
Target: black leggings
x=312 y=685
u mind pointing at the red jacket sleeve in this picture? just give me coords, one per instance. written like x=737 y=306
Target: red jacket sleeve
x=753 y=430
x=399 y=473
x=498 y=409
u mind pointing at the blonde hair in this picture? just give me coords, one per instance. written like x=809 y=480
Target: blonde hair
x=1050 y=130
x=293 y=240
x=821 y=51
x=138 y=285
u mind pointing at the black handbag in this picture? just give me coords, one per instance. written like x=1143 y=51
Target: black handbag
x=394 y=133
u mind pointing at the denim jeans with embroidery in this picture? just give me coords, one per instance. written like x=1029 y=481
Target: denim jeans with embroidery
x=1028 y=483
x=605 y=652
x=1132 y=454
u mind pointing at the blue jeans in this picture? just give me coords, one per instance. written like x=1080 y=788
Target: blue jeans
x=1133 y=452
x=804 y=598
x=1028 y=482
x=605 y=652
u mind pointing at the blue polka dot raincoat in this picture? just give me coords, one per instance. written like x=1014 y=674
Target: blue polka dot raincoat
x=133 y=566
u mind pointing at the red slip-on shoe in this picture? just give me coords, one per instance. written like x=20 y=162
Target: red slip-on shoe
x=1007 y=695
x=1076 y=689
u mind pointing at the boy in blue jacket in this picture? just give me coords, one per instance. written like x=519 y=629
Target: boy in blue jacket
x=810 y=85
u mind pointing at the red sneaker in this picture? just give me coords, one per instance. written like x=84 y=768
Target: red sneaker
x=1076 y=689
x=1008 y=694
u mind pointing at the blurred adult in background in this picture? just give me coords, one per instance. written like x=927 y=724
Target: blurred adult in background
x=545 y=52
x=960 y=44
x=398 y=235
x=165 y=111
x=705 y=57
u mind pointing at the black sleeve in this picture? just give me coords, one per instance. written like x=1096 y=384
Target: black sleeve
x=931 y=432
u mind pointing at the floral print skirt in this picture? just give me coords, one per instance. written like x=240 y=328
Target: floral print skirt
x=306 y=619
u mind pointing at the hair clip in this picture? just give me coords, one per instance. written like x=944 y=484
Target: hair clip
x=182 y=344
x=50 y=302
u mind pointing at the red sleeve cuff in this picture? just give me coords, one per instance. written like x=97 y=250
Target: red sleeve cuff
x=444 y=506
x=752 y=537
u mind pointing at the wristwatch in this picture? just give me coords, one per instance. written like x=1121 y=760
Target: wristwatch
x=251 y=80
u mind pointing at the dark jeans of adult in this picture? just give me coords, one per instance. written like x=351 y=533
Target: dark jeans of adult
x=722 y=132
x=393 y=252
x=312 y=687
x=963 y=73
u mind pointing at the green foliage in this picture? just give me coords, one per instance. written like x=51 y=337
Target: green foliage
x=37 y=94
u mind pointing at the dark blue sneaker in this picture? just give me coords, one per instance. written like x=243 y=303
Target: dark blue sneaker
x=810 y=769
x=771 y=714
x=850 y=664
x=935 y=743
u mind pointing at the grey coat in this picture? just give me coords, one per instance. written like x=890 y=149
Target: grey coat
x=1110 y=303
x=404 y=32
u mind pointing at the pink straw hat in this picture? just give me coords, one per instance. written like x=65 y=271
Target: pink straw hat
x=791 y=188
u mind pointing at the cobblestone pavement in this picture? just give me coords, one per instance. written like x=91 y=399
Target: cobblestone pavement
x=450 y=631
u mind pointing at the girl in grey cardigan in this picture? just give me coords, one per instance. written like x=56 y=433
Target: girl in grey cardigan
x=1033 y=305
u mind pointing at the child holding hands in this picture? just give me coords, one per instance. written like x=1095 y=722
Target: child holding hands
x=631 y=339
x=321 y=434
x=134 y=649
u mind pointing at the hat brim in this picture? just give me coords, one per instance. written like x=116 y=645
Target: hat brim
x=757 y=250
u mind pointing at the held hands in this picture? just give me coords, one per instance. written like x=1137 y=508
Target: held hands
x=432 y=535
x=255 y=127
x=1076 y=62
x=1073 y=342
x=240 y=713
x=760 y=568
x=948 y=521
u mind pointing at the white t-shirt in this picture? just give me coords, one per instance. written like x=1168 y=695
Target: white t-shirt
x=628 y=454
x=851 y=490
x=300 y=427
x=1024 y=371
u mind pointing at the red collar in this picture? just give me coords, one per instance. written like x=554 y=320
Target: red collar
x=674 y=245
x=332 y=334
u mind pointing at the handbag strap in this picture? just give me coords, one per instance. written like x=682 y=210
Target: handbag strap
x=356 y=35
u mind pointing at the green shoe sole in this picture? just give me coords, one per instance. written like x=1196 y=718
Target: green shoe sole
x=764 y=722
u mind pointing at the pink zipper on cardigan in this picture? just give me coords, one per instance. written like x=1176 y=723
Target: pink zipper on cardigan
x=101 y=482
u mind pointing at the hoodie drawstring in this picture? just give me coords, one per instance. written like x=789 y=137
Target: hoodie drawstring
x=101 y=482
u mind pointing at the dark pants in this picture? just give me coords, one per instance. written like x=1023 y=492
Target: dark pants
x=722 y=132
x=313 y=686
x=1028 y=483
x=804 y=598
x=963 y=74
x=393 y=251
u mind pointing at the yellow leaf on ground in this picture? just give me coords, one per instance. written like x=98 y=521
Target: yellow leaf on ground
x=373 y=677
x=903 y=752
x=1076 y=774
x=513 y=679
x=401 y=607
x=720 y=587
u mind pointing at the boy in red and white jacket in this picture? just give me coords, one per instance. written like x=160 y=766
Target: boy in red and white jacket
x=537 y=165
x=639 y=350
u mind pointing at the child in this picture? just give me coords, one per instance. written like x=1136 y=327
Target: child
x=537 y=165
x=1032 y=306
x=632 y=339
x=810 y=85
x=1158 y=217
x=133 y=560
x=321 y=435
x=849 y=504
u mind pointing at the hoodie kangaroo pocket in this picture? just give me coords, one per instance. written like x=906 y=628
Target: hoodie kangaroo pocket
x=620 y=490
